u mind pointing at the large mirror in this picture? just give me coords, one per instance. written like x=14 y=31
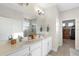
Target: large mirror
x=10 y=27
x=29 y=26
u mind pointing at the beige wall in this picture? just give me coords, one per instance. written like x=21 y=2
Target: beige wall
x=73 y=14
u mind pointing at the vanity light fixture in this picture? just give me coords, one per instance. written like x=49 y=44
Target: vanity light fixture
x=39 y=11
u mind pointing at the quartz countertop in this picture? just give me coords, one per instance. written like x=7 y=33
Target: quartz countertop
x=7 y=48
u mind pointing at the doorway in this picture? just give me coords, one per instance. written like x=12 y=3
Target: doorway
x=69 y=32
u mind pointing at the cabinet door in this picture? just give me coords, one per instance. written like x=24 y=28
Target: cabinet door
x=35 y=49
x=35 y=46
x=44 y=47
x=49 y=44
x=20 y=52
x=36 y=52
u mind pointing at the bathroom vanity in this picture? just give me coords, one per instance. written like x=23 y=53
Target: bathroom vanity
x=37 y=47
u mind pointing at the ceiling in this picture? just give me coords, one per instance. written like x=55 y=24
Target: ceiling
x=61 y=6
x=66 y=6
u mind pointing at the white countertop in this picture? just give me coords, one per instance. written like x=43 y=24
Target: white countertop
x=7 y=48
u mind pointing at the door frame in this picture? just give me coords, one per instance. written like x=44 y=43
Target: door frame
x=75 y=30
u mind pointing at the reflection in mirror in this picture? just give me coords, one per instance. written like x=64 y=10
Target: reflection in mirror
x=29 y=27
x=26 y=25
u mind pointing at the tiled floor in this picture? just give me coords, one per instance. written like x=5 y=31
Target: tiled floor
x=65 y=49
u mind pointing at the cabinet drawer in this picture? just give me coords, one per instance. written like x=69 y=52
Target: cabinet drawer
x=36 y=52
x=35 y=46
x=20 y=52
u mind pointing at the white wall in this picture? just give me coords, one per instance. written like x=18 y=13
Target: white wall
x=11 y=20
x=73 y=14
x=9 y=26
x=52 y=18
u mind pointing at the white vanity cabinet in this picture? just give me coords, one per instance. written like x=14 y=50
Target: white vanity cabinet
x=41 y=48
x=35 y=49
x=49 y=44
x=46 y=46
x=36 y=52
x=24 y=51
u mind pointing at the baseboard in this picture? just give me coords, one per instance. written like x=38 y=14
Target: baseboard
x=77 y=48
